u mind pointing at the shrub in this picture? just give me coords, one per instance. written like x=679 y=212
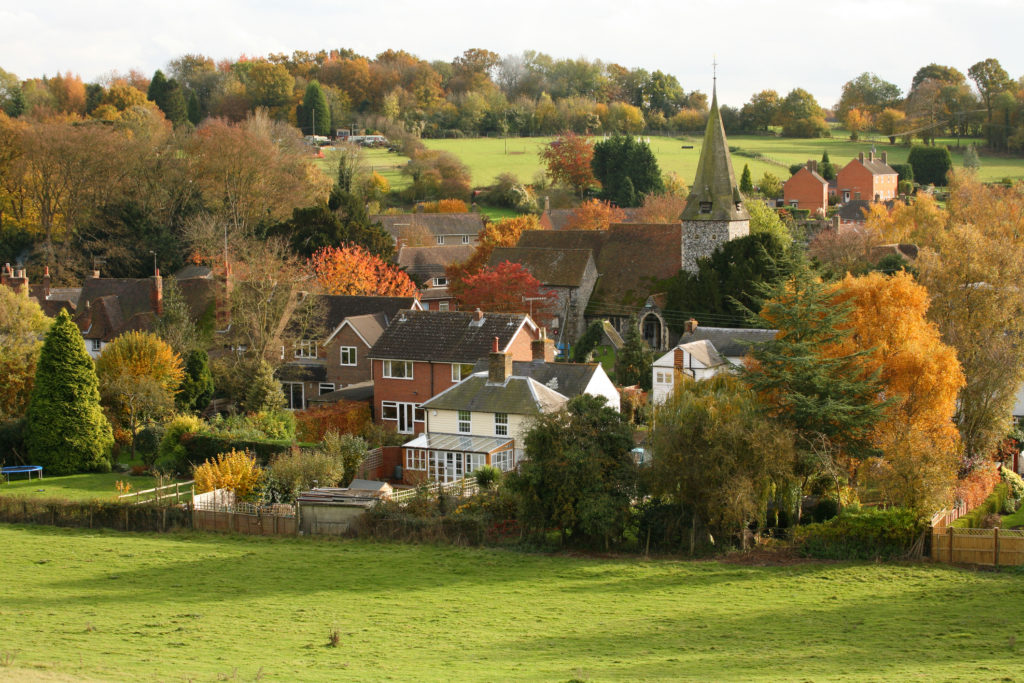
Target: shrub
x=862 y=535
x=903 y=172
x=147 y=443
x=171 y=453
x=486 y=477
x=344 y=417
x=235 y=470
x=661 y=526
x=979 y=517
x=1013 y=481
x=347 y=450
x=300 y=470
x=202 y=446
x=274 y=424
x=930 y=164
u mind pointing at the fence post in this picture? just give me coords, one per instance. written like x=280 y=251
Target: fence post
x=995 y=547
x=951 y=544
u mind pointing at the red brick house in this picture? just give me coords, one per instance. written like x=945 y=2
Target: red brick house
x=806 y=189
x=334 y=355
x=868 y=178
x=422 y=353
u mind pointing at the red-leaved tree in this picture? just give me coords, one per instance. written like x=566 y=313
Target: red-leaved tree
x=567 y=158
x=507 y=288
x=354 y=271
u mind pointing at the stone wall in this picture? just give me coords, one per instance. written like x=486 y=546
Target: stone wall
x=700 y=238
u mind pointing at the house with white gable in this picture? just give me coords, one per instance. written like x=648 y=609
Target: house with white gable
x=482 y=420
x=702 y=352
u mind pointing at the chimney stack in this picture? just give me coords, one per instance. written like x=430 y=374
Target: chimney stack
x=156 y=294
x=885 y=157
x=812 y=165
x=499 y=366
x=690 y=326
x=860 y=157
x=478 y=316
x=543 y=350
x=96 y=274
x=16 y=280
x=46 y=282
x=5 y=274
x=871 y=156
x=547 y=203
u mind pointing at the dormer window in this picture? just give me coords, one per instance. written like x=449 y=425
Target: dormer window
x=306 y=348
x=440 y=282
x=705 y=207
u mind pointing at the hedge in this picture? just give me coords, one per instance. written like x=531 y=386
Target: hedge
x=862 y=535
x=202 y=447
x=94 y=514
x=930 y=164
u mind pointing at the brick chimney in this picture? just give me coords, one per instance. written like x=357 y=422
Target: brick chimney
x=690 y=326
x=478 y=315
x=6 y=274
x=871 y=156
x=812 y=165
x=860 y=157
x=543 y=350
x=46 y=282
x=18 y=281
x=885 y=157
x=547 y=203
x=499 y=366
x=96 y=274
x=156 y=293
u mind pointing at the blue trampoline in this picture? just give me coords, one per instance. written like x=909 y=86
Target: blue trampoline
x=22 y=469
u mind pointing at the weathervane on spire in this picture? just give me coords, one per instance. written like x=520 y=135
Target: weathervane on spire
x=714 y=69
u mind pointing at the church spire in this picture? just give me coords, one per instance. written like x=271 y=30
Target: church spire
x=714 y=195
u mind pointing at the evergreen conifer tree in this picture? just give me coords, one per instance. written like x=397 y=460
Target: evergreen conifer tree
x=633 y=361
x=197 y=386
x=194 y=113
x=315 y=115
x=746 y=183
x=65 y=429
x=825 y=169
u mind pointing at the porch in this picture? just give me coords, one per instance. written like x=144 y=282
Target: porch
x=450 y=457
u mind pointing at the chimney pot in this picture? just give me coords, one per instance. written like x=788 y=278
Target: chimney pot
x=543 y=349
x=860 y=157
x=478 y=315
x=494 y=346
x=499 y=366
x=690 y=326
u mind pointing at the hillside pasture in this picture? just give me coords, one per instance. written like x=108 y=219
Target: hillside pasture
x=88 y=605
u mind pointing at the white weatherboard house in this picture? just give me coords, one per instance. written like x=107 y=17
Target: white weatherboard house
x=482 y=420
x=702 y=352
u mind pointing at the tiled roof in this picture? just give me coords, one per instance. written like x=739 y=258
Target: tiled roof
x=446 y=336
x=301 y=372
x=553 y=267
x=131 y=296
x=854 y=209
x=878 y=167
x=517 y=396
x=336 y=308
x=428 y=262
x=632 y=259
x=568 y=379
x=434 y=223
x=362 y=391
x=729 y=341
x=369 y=326
x=559 y=218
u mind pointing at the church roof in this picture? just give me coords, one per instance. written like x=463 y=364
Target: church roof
x=715 y=182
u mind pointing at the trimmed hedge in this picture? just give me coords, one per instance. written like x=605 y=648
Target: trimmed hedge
x=863 y=535
x=930 y=164
x=94 y=514
x=993 y=505
x=202 y=447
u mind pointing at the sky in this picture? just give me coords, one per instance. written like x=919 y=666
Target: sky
x=758 y=44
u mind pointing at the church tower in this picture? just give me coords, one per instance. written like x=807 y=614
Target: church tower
x=714 y=212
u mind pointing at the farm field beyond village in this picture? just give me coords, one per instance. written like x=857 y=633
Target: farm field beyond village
x=85 y=605
x=488 y=157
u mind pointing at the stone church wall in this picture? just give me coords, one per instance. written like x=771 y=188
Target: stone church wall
x=700 y=238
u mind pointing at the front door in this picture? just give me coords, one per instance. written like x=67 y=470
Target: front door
x=452 y=466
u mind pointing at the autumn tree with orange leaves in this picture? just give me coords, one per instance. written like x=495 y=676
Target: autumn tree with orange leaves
x=503 y=233
x=567 y=159
x=595 y=214
x=353 y=271
x=920 y=376
x=507 y=288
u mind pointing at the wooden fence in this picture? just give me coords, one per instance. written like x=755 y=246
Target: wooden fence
x=459 y=487
x=218 y=511
x=992 y=547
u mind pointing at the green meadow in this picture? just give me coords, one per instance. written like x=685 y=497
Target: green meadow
x=80 y=605
x=77 y=486
x=489 y=157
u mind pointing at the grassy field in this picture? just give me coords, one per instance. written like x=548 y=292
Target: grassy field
x=75 y=486
x=488 y=157
x=82 y=605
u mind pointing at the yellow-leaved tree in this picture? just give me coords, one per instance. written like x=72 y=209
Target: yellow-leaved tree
x=921 y=377
x=235 y=471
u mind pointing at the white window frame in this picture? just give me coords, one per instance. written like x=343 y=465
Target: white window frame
x=325 y=388
x=465 y=239
x=416 y=459
x=502 y=460
x=501 y=424
x=302 y=349
x=464 y=422
x=440 y=282
x=388 y=368
x=440 y=239
x=97 y=344
x=442 y=305
x=474 y=461
x=354 y=355
x=461 y=371
x=401 y=411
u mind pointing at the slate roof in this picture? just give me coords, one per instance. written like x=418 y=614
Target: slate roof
x=558 y=219
x=553 y=267
x=336 y=308
x=877 y=166
x=428 y=262
x=434 y=223
x=301 y=372
x=517 y=396
x=362 y=391
x=853 y=210
x=631 y=258
x=110 y=306
x=728 y=341
x=568 y=379
x=702 y=350
x=369 y=326
x=446 y=336
x=715 y=181
x=192 y=271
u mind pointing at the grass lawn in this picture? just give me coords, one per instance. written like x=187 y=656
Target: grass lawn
x=85 y=605
x=75 y=486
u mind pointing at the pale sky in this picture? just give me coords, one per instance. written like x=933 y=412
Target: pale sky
x=758 y=44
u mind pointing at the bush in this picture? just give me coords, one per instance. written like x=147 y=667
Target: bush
x=273 y=424
x=202 y=447
x=291 y=473
x=930 y=164
x=344 y=417
x=487 y=477
x=903 y=171
x=661 y=526
x=235 y=471
x=147 y=443
x=171 y=453
x=979 y=517
x=863 y=535
x=348 y=451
